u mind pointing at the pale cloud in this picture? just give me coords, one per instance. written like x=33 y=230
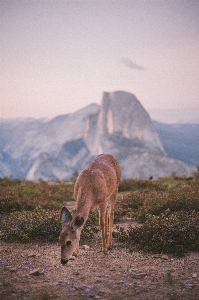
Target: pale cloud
x=130 y=64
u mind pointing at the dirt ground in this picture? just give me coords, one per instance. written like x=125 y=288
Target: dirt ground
x=93 y=274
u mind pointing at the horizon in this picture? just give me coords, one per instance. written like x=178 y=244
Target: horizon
x=58 y=57
x=165 y=116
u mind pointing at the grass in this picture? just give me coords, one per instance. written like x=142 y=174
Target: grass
x=169 y=276
x=43 y=296
x=17 y=195
x=167 y=210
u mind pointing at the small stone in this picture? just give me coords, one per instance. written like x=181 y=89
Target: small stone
x=85 y=247
x=165 y=257
x=125 y=284
x=102 y=291
x=87 y=290
x=77 y=286
x=76 y=273
x=188 y=286
x=13 y=270
x=92 y=295
x=35 y=272
x=72 y=257
x=139 y=275
x=194 y=275
x=31 y=255
x=43 y=272
x=98 y=281
x=22 y=281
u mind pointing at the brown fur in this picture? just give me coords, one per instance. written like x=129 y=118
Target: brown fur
x=96 y=186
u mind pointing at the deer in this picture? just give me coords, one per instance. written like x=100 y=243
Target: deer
x=95 y=187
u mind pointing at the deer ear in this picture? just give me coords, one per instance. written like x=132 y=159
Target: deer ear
x=65 y=215
x=77 y=222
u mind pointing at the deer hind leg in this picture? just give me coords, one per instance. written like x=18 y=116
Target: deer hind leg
x=104 y=227
x=107 y=224
x=111 y=218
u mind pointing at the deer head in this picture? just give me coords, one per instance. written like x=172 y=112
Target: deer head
x=70 y=234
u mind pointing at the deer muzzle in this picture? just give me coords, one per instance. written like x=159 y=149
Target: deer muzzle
x=63 y=261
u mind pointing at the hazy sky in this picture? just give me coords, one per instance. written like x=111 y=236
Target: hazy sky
x=58 y=56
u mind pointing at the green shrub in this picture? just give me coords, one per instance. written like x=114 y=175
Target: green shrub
x=139 y=184
x=7 y=182
x=16 y=195
x=167 y=207
x=169 y=276
x=91 y=227
x=40 y=225
x=140 y=204
x=175 y=234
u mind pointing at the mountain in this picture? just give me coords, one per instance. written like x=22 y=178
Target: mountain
x=54 y=149
x=121 y=117
x=180 y=141
x=7 y=165
x=25 y=139
x=74 y=156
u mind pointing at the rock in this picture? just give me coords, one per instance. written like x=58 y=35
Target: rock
x=194 y=275
x=31 y=255
x=85 y=247
x=125 y=284
x=102 y=292
x=76 y=273
x=87 y=290
x=92 y=295
x=188 y=286
x=13 y=270
x=165 y=257
x=35 y=272
x=139 y=275
x=72 y=257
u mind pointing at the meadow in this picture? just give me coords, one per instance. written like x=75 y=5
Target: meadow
x=166 y=212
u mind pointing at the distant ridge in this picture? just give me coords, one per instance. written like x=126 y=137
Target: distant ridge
x=54 y=149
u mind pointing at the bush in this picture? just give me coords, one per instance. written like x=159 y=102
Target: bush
x=167 y=207
x=17 y=195
x=141 y=203
x=40 y=225
x=91 y=228
x=175 y=234
x=139 y=184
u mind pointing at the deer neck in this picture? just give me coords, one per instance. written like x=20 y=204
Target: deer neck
x=84 y=203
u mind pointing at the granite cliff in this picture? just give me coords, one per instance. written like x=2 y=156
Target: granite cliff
x=120 y=126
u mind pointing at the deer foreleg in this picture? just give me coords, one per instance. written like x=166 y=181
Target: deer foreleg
x=107 y=224
x=103 y=226
x=111 y=218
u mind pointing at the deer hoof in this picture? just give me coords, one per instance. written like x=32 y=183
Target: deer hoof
x=104 y=250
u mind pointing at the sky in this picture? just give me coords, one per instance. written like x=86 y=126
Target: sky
x=58 y=56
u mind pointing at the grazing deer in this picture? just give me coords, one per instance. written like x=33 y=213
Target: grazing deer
x=96 y=186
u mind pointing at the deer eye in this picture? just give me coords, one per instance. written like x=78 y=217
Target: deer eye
x=68 y=243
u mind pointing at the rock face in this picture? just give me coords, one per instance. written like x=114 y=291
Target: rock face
x=74 y=156
x=55 y=149
x=121 y=116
